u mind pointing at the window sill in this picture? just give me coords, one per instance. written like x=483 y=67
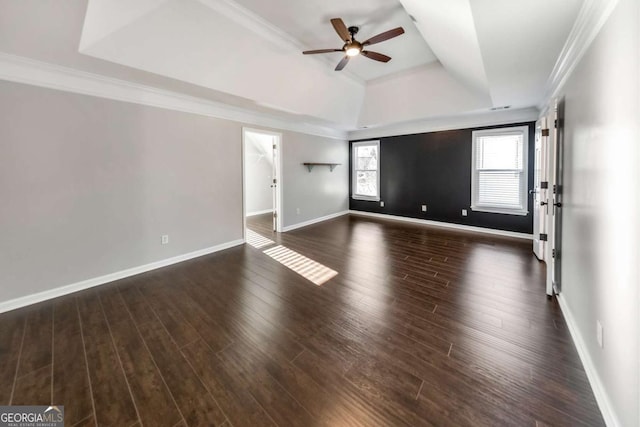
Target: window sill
x=365 y=198
x=518 y=212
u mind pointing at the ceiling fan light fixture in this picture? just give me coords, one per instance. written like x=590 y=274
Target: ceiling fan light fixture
x=353 y=48
x=353 y=51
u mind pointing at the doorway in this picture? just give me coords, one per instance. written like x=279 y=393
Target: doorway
x=262 y=195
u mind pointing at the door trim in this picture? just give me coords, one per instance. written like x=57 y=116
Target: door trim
x=540 y=189
x=277 y=140
x=553 y=255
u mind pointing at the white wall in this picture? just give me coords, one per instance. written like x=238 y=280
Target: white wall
x=318 y=193
x=258 y=163
x=89 y=186
x=601 y=213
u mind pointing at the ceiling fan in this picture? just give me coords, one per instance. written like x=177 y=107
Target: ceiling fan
x=352 y=47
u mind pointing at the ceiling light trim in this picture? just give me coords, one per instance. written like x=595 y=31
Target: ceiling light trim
x=37 y=73
x=591 y=18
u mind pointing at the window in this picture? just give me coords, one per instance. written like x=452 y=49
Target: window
x=499 y=170
x=366 y=170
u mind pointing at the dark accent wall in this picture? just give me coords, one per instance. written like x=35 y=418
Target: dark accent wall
x=435 y=169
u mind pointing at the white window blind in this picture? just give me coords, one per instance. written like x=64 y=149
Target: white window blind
x=500 y=171
x=366 y=174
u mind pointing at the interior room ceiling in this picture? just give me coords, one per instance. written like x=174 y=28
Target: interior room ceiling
x=456 y=58
x=520 y=42
x=308 y=23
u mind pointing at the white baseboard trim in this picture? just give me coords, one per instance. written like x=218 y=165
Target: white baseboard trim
x=259 y=212
x=85 y=284
x=313 y=221
x=445 y=225
x=604 y=403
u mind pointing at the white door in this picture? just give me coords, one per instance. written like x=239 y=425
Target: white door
x=540 y=203
x=553 y=254
x=557 y=198
x=275 y=183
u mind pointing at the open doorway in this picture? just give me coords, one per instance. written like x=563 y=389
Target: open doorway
x=261 y=178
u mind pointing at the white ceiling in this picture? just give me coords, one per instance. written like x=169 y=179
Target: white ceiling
x=458 y=57
x=450 y=29
x=308 y=22
x=520 y=42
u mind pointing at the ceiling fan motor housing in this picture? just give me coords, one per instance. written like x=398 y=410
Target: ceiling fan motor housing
x=352 y=47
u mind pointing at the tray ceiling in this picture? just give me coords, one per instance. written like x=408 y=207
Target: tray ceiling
x=456 y=58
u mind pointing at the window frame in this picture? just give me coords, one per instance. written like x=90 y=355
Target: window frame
x=354 y=171
x=524 y=183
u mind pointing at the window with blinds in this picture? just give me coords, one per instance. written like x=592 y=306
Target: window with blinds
x=366 y=170
x=499 y=170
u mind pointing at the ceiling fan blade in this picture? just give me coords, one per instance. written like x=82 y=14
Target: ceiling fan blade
x=313 y=52
x=384 y=36
x=376 y=56
x=341 y=29
x=342 y=63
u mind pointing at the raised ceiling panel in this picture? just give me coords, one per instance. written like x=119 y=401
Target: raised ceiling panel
x=425 y=91
x=189 y=41
x=104 y=17
x=308 y=22
x=520 y=42
x=449 y=28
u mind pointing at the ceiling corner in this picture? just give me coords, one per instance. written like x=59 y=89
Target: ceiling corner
x=104 y=17
x=449 y=29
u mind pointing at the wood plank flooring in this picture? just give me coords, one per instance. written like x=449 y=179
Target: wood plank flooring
x=420 y=327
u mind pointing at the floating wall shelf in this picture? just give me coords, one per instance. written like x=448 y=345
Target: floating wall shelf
x=332 y=166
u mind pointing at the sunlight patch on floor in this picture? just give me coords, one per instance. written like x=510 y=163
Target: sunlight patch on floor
x=258 y=241
x=307 y=268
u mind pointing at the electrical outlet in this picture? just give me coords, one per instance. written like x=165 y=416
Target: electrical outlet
x=165 y=239
x=381 y=204
x=424 y=208
x=464 y=212
x=297 y=211
x=599 y=333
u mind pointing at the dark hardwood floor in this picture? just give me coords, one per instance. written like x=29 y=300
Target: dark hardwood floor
x=420 y=326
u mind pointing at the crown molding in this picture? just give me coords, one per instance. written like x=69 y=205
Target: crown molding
x=591 y=18
x=32 y=72
x=465 y=121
